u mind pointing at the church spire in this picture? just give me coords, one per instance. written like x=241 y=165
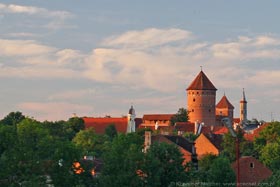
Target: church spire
x=243 y=108
x=244 y=98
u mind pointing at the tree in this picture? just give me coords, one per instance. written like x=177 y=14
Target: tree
x=163 y=165
x=270 y=155
x=180 y=116
x=13 y=118
x=221 y=167
x=229 y=145
x=36 y=154
x=73 y=126
x=121 y=161
x=90 y=143
x=267 y=145
x=111 y=132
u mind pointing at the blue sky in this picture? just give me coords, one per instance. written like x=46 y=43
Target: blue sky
x=96 y=58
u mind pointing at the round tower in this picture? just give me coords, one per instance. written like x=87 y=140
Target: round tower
x=131 y=120
x=243 y=109
x=201 y=100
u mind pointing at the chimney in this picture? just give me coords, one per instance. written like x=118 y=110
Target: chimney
x=195 y=127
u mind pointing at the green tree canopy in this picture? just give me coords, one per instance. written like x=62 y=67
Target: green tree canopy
x=180 y=116
x=267 y=145
x=89 y=142
x=163 y=165
x=122 y=159
x=12 y=118
x=111 y=132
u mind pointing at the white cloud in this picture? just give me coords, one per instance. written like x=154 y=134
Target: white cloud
x=55 y=19
x=123 y=63
x=38 y=72
x=147 y=38
x=54 y=110
x=19 y=9
x=23 y=48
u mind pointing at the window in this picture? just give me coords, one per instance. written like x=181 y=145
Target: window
x=193 y=99
x=252 y=165
x=209 y=110
x=192 y=110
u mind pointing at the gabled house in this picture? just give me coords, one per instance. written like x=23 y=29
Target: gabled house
x=208 y=144
x=186 y=147
x=251 y=171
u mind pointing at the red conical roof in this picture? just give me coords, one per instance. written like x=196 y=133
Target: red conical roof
x=224 y=103
x=201 y=82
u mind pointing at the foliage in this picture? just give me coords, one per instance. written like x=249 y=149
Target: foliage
x=180 y=116
x=89 y=142
x=229 y=145
x=191 y=136
x=12 y=118
x=121 y=161
x=111 y=132
x=163 y=165
x=221 y=167
x=267 y=145
x=35 y=154
x=274 y=179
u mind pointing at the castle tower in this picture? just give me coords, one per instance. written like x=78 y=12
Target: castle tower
x=131 y=120
x=224 y=108
x=243 y=109
x=201 y=100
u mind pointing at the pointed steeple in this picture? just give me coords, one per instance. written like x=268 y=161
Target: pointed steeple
x=244 y=98
x=243 y=108
x=201 y=82
x=224 y=103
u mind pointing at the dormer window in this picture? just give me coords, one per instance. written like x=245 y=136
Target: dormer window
x=252 y=165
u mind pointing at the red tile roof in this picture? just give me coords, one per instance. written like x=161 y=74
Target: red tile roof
x=251 y=170
x=157 y=116
x=214 y=129
x=256 y=133
x=100 y=124
x=236 y=120
x=224 y=103
x=185 y=126
x=201 y=82
x=208 y=143
x=183 y=145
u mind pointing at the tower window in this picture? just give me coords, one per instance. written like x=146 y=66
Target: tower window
x=192 y=110
x=197 y=92
x=193 y=99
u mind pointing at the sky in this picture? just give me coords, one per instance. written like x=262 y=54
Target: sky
x=96 y=58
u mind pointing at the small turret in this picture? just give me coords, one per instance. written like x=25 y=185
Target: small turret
x=131 y=120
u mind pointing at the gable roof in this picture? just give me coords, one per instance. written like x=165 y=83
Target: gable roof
x=214 y=130
x=157 y=116
x=201 y=82
x=208 y=143
x=100 y=124
x=256 y=132
x=185 y=126
x=251 y=170
x=224 y=103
